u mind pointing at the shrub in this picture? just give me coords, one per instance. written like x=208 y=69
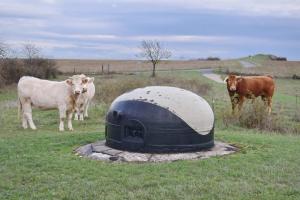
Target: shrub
x=212 y=58
x=255 y=116
x=295 y=76
x=12 y=69
x=112 y=87
x=41 y=68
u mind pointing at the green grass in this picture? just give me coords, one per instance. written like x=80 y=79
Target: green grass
x=41 y=164
x=258 y=58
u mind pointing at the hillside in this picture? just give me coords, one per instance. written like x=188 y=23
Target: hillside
x=259 y=58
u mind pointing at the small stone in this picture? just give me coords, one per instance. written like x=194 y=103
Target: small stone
x=113 y=152
x=114 y=158
x=100 y=156
x=134 y=157
x=84 y=150
x=173 y=157
x=100 y=148
x=99 y=151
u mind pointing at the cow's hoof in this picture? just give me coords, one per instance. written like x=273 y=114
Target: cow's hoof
x=61 y=130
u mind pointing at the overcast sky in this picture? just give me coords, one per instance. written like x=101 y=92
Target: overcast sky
x=113 y=29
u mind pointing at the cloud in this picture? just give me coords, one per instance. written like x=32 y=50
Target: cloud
x=76 y=36
x=275 y=8
x=137 y=38
x=115 y=28
x=180 y=38
x=43 y=44
x=183 y=39
x=28 y=9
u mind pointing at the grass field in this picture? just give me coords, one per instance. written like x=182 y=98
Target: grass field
x=264 y=66
x=95 y=66
x=281 y=69
x=41 y=164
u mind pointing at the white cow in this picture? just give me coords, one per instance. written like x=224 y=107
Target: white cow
x=46 y=94
x=84 y=100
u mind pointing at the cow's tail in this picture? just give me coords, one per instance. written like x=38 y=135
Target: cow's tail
x=272 y=77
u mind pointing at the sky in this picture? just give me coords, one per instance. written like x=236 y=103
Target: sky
x=190 y=29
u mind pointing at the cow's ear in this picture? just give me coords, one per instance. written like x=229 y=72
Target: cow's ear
x=69 y=81
x=226 y=79
x=91 y=79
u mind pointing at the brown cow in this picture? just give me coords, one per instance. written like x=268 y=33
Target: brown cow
x=241 y=87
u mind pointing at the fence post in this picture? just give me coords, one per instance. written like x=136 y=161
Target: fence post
x=102 y=69
x=108 y=68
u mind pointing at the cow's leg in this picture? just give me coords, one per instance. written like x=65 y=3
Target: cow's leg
x=62 y=116
x=241 y=101
x=76 y=116
x=268 y=103
x=269 y=99
x=264 y=99
x=81 y=118
x=69 y=115
x=24 y=120
x=28 y=114
x=233 y=103
x=86 y=107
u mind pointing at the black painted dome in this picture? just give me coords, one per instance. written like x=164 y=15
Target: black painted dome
x=160 y=119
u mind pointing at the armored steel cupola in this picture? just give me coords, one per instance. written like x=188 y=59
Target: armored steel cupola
x=160 y=119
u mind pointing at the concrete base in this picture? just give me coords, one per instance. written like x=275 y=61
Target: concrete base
x=99 y=151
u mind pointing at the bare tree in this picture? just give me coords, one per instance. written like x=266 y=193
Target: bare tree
x=30 y=52
x=154 y=53
x=3 y=50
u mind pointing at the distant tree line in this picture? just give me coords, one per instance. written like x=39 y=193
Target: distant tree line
x=210 y=58
x=272 y=57
x=29 y=62
x=269 y=56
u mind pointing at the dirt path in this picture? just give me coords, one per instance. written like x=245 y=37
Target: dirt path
x=208 y=73
x=247 y=64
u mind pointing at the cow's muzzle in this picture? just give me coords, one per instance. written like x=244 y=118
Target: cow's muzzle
x=232 y=89
x=77 y=92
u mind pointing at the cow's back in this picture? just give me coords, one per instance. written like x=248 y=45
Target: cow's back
x=42 y=93
x=257 y=85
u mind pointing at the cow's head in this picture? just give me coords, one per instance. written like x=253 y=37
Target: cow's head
x=232 y=82
x=89 y=80
x=78 y=83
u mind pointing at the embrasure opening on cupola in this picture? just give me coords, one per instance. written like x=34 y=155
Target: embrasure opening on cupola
x=160 y=119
